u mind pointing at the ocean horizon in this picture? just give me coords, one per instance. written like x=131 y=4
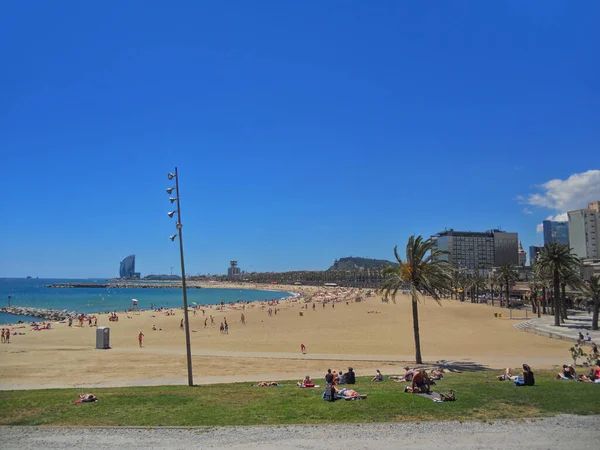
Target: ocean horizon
x=32 y=292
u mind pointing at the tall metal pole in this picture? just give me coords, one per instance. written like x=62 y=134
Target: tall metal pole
x=188 y=345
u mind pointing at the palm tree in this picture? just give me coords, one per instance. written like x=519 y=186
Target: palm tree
x=478 y=283
x=571 y=278
x=558 y=260
x=534 y=287
x=421 y=272
x=494 y=282
x=509 y=277
x=594 y=291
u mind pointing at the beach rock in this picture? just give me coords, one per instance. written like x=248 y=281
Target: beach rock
x=41 y=313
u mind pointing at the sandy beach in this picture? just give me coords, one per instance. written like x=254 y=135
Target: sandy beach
x=367 y=335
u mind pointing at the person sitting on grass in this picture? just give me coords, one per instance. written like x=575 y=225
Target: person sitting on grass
x=527 y=379
x=350 y=377
x=378 y=376
x=420 y=383
x=567 y=373
x=408 y=374
x=307 y=382
x=595 y=373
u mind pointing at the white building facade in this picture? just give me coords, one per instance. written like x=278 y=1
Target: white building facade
x=583 y=233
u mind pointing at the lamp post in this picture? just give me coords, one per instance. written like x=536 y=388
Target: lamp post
x=179 y=226
x=9 y=300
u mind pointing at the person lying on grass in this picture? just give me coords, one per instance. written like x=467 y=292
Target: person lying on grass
x=348 y=393
x=436 y=374
x=420 y=383
x=567 y=373
x=85 y=398
x=267 y=384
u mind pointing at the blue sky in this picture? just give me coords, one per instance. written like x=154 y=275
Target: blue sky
x=303 y=131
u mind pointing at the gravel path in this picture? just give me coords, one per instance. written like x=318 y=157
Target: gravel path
x=580 y=432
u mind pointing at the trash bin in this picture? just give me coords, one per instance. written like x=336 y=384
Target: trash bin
x=103 y=337
x=301 y=313
x=495 y=314
x=500 y=315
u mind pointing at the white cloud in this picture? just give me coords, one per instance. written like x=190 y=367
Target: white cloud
x=526 y=211
x=562 y=217
x=566 y=195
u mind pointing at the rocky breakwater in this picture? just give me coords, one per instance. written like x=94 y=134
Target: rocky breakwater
x=41 y=313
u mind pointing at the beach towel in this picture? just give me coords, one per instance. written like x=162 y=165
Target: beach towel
x=435 y=396
x=309 y=386
x=357 y=397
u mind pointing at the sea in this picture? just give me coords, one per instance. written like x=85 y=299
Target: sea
x=32 y=292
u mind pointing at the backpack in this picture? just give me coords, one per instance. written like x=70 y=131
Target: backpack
x=448 y=396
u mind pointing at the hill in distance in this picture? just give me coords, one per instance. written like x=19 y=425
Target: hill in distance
x=354 y=263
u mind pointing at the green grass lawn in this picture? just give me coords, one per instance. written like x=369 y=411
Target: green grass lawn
x=479 y=397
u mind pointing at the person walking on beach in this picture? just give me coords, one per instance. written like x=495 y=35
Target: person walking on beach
x=181 y=325
x=7 y=338
x=303 y=349
x=205 y=320
x=3 y=338
x=141 y=338
x=243 y=319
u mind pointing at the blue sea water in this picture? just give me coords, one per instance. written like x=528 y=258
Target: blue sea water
x=31 y=292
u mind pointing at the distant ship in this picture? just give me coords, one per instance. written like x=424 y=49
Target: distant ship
x=28 y=277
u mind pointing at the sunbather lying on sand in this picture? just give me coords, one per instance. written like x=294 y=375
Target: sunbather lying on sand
x=267 y=383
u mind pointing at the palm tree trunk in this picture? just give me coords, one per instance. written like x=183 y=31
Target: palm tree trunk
x=563 y=303
x=595 y=314
x=415 y=311
x=507 y=295
x=545 y=300
x=556 y=298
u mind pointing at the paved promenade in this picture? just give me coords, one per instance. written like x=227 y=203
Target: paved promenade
x=580 y=432
x=578 y=322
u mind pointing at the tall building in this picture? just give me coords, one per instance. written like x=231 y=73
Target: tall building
x=233 y=270
x=594 y=206
x=522 y=255
x=583 y=232
x=127 y=269
x=556 y=232
x=478 y=250
x=505 y=248
x=533 y=252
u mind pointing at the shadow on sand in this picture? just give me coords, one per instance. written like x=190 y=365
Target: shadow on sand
x=460 y=366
